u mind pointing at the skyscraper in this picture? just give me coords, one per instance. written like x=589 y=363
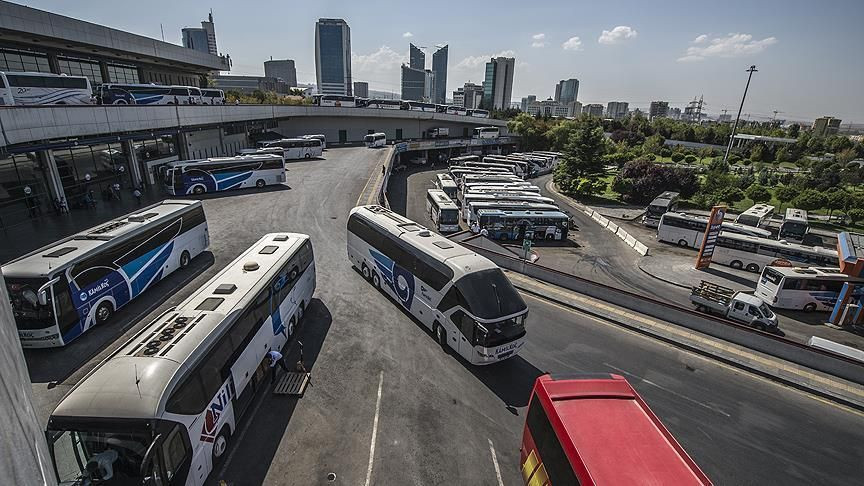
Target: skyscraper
x=201 y=39
x=413 y=83
x=282 y=69
x=333 y=56
x=361 y=89
x=617 y=109
x=658 y=109
x=416 y=57
x=826 y=125
x=567 y=90
x=498 y=83
x=439 y=67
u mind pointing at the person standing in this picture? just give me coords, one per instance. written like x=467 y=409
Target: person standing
x=276 y=358
x=137 y=194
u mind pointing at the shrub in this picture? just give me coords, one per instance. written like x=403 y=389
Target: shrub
x=690 y=158
x=855 y=215
x=677 y=157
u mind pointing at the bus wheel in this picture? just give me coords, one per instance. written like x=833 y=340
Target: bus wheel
x=366 y=273
x=104 y=312
x=441 y=336
x=184 y=259
x=260 y=183
x=220 y=445
x=301 y=311
x=810 y=307
x=308 y=156
x=736 y=264
x=683 y=243
x=752 y=267
x=198 y=190
x=292 y=324
x=376 y=280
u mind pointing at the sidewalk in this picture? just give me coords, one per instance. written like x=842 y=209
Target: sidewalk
x=776 y=369
x=38 y=232
x=674 y=270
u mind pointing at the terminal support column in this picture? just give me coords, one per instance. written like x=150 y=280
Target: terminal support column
x=134 y=166
x=46 y=158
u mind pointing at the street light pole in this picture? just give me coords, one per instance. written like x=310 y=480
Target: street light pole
x=737 y=118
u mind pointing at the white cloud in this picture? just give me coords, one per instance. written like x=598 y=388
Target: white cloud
x=481 y=60
x=407 y=34
x=539 y=40
x=617 y=35
x=380 y=68
x=572 y=44
x=538 y=44
x=538 y=37
x=732 y=45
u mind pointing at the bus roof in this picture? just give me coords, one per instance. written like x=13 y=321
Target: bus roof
x=441 y=198
x=795 y=214
x=110 y=390
x=665 y=199
x=781 y=243
x=518 y=214
x=47 y=260
x=610 y=434
x=759 y=210
x=226 y=160
x=815 y=273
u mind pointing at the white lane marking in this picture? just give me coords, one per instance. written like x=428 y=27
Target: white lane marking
x=667 y=390
x=495 y=462
x=374 y=430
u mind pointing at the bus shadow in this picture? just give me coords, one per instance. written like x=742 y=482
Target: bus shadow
x=253 y=447
x=510 y=380
x=240 y=192
x=738 y=279
x=59 y=365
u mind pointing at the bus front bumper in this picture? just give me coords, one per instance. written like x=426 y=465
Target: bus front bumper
x=484 y=356
x=40 y=338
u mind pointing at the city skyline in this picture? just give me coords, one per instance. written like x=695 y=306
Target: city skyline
x=618 y=52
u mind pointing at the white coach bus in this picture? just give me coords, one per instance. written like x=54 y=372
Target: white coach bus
x=465 y=299
x=757 y=215
x=442 y=211
x=162 y=408
x=753 y=254
x=807 y=289
x=44 y=89
x=446 y=183
x=688 y=230
x=60 y=291
x=223 y=173
x=375 y=140
x=296 y=148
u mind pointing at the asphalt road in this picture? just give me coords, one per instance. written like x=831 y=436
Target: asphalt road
x=388 y=406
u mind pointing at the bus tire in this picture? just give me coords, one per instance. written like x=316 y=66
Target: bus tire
x=185 y=259
x=292 y=326
x=367 y=274
x=260 y=183
x=301 y=311
x=103 y=313
x=752 y=267
x=198 y=190
x=307 y=156
x=376 y=280
x=736 y=264
x=220 y=444
x=683 y=243
x=760 y=326
x=120 y=102
x=810 y=307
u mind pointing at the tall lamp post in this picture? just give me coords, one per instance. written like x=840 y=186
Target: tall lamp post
x=737 y=118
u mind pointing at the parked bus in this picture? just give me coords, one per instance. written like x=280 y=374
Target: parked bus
x=500 y=195
x=457 y=110
x=808 y=289
x=375 y=140
x=666 y=202
x=494 y=187
x=147 y=94
x=521 y=165
x=486 y=177
x=752 y=253
x=486 y=132
x=442 y=211
x=794 y=226
x=512 y=168
x=758 y=215
x=223 y=173
x=465 y=299
x=504 y=204
x=297 y=148
x=385 y=104
x=460 y=160
x=478 y=113
x=502 y=224
x=688 y=230
x=438 y=132
x=212 y=96
x=420 y=106
x=162 y=408
x=335 y=100
x=447 y=184
x=459 y=172
x=61 y=290
x=596 y=430
x=44 y=89
x=318 y=136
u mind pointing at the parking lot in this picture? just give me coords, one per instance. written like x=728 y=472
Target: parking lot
x=388 y=406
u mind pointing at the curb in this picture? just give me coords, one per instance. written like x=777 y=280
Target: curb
x=803 y=387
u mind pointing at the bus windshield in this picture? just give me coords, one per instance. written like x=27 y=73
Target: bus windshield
x=490 y=295
x=449 y=216
x=28 y=312
x=109 y=458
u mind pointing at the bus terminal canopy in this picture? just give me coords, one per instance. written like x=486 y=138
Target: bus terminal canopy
x=744 y=137
x=850 y=250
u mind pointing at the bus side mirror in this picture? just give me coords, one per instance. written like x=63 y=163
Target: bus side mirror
x=42 y=297
x=42 y=293
x=147 y=462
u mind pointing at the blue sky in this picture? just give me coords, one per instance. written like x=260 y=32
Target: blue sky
x=808 y=53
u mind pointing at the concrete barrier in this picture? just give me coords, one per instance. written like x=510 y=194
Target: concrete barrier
x=604 y=222
x=817 y=359
x=640 y=248
x=631 y=242
x=622 y=234
x=612 y=227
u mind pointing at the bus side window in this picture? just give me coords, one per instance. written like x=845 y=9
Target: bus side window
x=791 y=284
x=174 y=451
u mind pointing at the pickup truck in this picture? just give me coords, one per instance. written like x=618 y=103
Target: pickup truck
x=743 y=307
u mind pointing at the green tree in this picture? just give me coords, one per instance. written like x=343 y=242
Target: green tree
x=677 y=157
x=785 y=194
x=793 y=130
x=690 y=159
x=559 y=134
x=758 y=193
x=810 y=199
x=531 y=130
x=703 y=153
x=582 y=161
x=846 y=155
x=835 y=198
x=856 y=215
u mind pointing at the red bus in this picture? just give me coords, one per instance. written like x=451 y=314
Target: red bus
x=595 y=429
